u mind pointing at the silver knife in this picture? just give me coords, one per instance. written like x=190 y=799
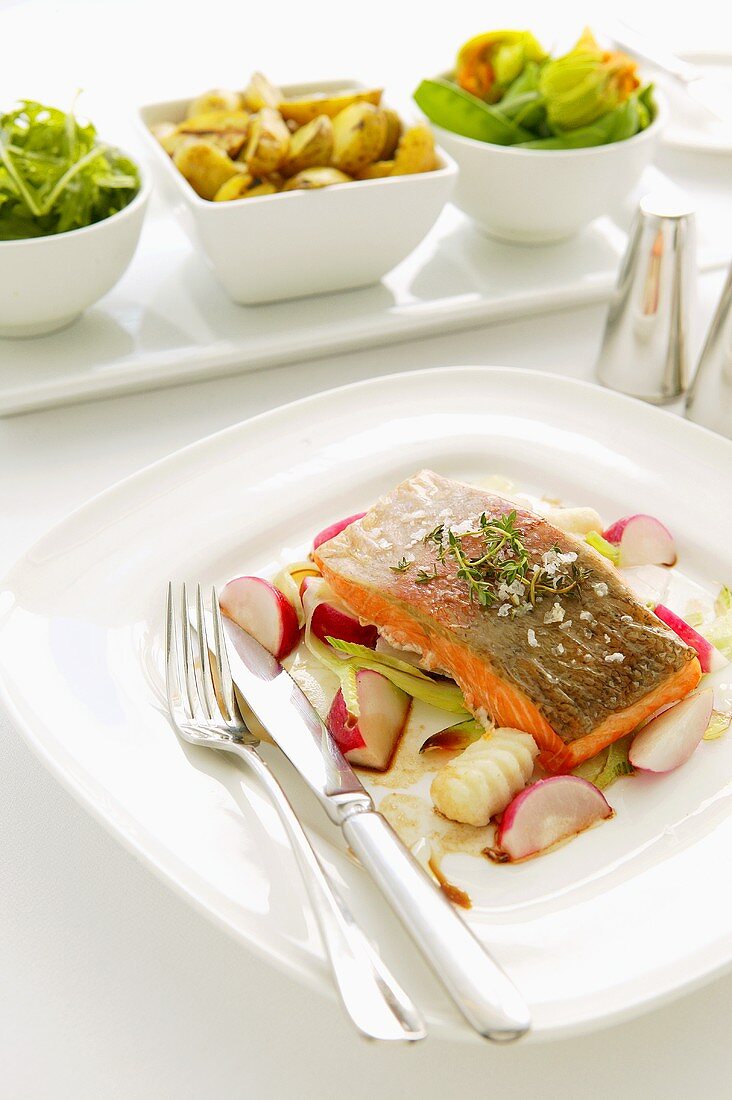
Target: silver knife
x=715 y=96
x=481 y=990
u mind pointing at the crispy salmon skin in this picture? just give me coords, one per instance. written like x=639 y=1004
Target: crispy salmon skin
x=577 y=668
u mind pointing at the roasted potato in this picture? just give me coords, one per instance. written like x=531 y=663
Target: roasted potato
x=265 y=187
x=233 y=146
x=329 y=103
x=376 y=171
x=359 y=132
x=206 y=168
x=313 y=178
x=415 y=151
x=243 y=187
x=217 y=99
x=268 y=142
x=393 y=133
x=225 y=129
x=310 y=145
x=260 y=93
x=234 y=188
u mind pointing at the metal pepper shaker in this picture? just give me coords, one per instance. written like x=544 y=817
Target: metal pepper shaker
x=710 y=397
x=645 y=348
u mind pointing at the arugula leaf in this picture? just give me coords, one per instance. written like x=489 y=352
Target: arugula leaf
x=54 y=174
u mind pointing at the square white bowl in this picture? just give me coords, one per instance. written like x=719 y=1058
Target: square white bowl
x=303 y=242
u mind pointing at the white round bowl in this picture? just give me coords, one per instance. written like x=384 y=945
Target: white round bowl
x=536 y=196
x=48 y=281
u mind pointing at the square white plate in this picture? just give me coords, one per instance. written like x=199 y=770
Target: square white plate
x=622 y=917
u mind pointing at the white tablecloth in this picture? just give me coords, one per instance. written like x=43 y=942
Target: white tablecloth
x=110 y=985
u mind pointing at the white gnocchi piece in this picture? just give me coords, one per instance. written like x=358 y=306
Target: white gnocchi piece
x=485 y=777
x=575 y=521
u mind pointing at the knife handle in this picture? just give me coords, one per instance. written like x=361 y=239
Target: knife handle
x=483 y=993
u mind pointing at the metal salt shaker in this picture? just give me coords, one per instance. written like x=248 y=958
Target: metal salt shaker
x=710 y=397
x=645 y=349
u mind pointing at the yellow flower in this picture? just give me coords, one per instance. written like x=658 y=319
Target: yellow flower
x=586 y=83
x=488 y=63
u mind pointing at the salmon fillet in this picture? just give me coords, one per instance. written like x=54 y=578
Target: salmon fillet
x=576 y=670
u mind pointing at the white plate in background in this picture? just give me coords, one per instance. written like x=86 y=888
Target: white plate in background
x=614 y=922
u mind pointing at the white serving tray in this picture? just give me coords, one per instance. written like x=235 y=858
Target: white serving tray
x=168 y=321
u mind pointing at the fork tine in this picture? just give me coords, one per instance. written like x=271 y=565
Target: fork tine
x=192 y=693
x=226 y=684
x=172 y=678
x=209 y=693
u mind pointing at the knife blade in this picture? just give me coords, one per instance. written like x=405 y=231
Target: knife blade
x=292 y=722
x=480 y=989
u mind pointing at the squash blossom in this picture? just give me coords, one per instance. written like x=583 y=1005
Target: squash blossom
x=488 y=63
x=586 y=83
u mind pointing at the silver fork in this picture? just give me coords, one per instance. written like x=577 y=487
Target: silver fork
x=203 y=716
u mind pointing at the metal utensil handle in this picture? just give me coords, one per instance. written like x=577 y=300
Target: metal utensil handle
x=481 y=990
x=378 y=1006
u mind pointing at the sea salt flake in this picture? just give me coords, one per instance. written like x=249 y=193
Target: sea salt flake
x=559 y=650
x=531 y=635
x=568 y=558
x=626 y=618
x=601 y=589
x=566 y=624
x=606 y=639
x=587 y=616
x=614 y=658
x=556 y=615
x=587 y=658
x=504 y=610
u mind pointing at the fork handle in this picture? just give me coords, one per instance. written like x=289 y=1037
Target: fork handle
x=480 y=989
x=376 y=1003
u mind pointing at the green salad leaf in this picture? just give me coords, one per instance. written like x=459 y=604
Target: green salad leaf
x=443 y=694
x=55 y=175
x=608 y=765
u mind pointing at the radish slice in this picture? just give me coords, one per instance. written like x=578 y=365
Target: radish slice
x=328 y=618
x=643 y=540
x=548 y=811
x=710 y=659
x=331 y=622
x=670 y=739
x=261 y=609
x=370 y=739
x=335 y=529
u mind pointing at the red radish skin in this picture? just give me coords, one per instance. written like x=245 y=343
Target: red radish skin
x=642 y=540
x=329 y=618
x=370 y=740
x=335 y=529
x=668 y=740
x=710 y=659
x=328 y=621
x=548 y=811
x=261 y=609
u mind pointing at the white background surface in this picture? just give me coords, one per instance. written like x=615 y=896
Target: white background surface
x=110 y=986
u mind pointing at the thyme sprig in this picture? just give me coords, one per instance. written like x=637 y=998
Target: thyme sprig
x=501 y=563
